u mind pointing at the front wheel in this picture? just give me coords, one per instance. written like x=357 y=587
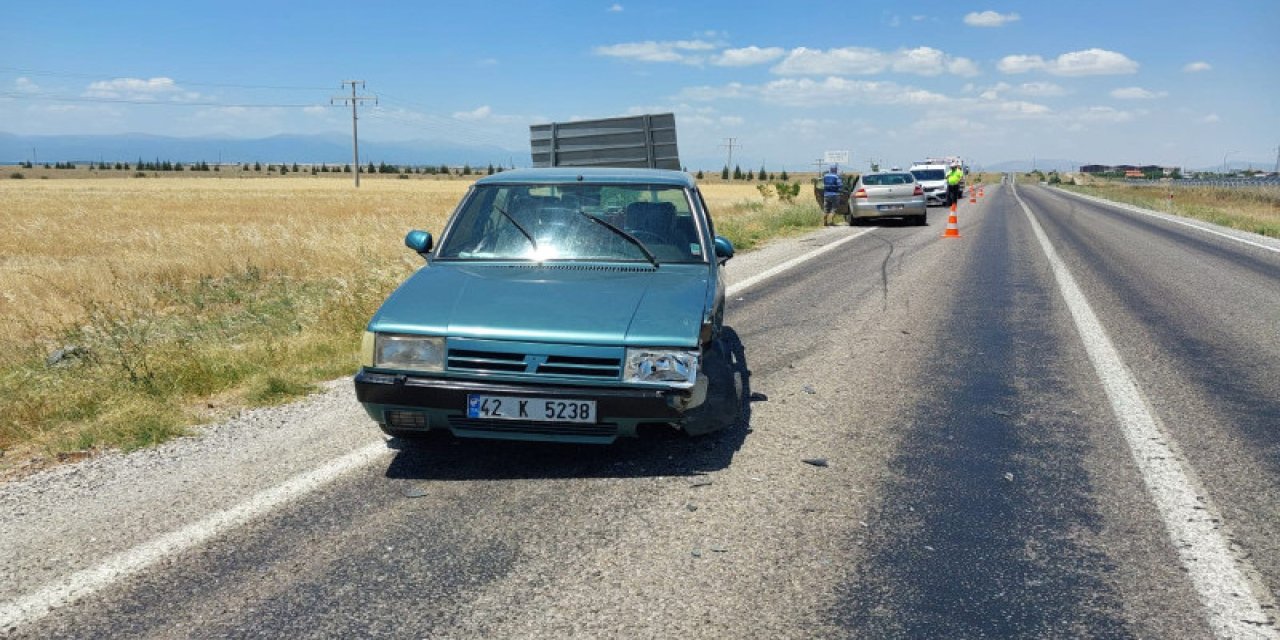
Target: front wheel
x=723 y=407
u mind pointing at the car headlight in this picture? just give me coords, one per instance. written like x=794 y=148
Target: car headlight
x=418 y=353
x=670 y=367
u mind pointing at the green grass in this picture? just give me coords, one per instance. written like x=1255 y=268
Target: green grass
x=755 y=222
x=1253 y=209
x=151 y=364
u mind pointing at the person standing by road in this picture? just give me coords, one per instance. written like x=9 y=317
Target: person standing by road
x=831 y=186
x=954 y=177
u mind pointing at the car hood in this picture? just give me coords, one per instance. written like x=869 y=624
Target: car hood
x=580 y=304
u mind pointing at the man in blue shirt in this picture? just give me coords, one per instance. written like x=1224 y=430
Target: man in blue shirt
x=831 y=186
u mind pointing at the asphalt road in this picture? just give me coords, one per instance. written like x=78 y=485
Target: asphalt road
x=979 y=479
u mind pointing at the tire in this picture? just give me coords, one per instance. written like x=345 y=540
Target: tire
x=723 y=407
x=922 y=221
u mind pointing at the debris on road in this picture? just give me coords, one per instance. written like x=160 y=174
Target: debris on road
x=1008 y=476
x=415 y=491
x=817 y=462
x=756 y=396
x=700 y=481
x=808 y=388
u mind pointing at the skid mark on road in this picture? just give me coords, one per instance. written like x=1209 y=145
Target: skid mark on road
x=1233 y=601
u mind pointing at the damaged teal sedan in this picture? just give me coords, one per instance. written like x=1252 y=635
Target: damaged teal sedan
x=574 y=305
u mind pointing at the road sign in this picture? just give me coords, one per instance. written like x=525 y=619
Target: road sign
x=835 y=157
x=630 y=141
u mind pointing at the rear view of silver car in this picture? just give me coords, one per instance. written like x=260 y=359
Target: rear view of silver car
x=889 y=194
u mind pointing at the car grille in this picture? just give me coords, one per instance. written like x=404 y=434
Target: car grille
x=534 y=364
x=498 y=427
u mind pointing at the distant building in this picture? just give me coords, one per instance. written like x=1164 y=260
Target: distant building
x=1129 y=170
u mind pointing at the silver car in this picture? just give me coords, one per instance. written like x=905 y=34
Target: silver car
x=888 y=194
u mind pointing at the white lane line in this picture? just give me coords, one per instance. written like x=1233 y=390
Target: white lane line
x=126 y=563
x=1168 y=218
x=1219 y=577
x=771 y=272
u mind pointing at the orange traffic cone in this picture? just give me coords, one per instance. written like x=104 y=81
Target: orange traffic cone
x=953 y=231
x=973 y=196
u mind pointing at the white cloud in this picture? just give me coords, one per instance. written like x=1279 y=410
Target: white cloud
x=139 y=89
x=25 y=85
x=1090 y=62
x=1020 y=64
x=1196 y=67
x=615 y=8
x=925 y=61
x=685 y=51
x=1103 y=114
x=479 y=113
x=1026 y=89
x=990 y=19
x=747 y=56
x=1211 y=118
x=1040 y=89
x=1137 y=93
x=834 y=90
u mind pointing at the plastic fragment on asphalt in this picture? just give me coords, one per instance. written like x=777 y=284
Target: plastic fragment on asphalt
x=700 y=481
x=808 y=388
x=415 y=491
x=817 y=462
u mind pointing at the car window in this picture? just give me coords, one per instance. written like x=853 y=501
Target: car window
x=886 y=179
x=555 y=222
x=929 y=174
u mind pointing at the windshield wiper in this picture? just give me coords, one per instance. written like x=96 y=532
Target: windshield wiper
x=626 y=236
x=518 y=226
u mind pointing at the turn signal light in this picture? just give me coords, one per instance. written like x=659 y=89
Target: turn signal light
x=860 y=193
x=919 y=190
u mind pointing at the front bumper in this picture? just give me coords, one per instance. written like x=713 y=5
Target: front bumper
x=936 y=197
x=413 y=403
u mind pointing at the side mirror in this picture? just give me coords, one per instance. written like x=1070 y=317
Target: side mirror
x=724 y=249
x=419 y=241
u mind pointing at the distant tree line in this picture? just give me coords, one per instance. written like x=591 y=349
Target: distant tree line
x=751 y=175
x=282 y=168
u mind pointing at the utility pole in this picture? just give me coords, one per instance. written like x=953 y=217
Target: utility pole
x=730 y=143
x=354 y=100
x=1277 y=169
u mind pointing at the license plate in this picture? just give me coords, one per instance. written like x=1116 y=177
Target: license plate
x=530 y=409
x=888 y=207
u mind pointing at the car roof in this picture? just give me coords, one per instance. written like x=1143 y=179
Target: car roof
x=590 y=175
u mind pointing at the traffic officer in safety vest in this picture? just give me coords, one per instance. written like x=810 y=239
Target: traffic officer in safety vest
x=954 y=177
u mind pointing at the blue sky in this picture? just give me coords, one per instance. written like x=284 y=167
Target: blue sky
x=1108 y=82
